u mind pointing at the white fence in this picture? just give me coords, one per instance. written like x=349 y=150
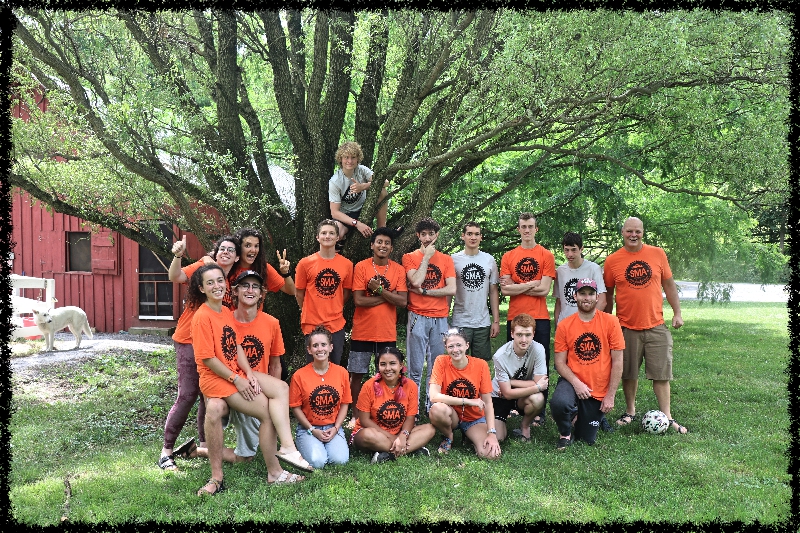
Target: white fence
x=21 y=305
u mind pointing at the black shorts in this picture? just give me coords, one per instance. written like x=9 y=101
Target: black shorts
x=502 y=407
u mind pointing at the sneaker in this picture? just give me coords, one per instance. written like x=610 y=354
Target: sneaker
x=382 y=457
x=424 y=452
x=605 y=426
x=563 y=444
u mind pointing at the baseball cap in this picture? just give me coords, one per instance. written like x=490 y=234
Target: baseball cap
x=248 y=274
x=586 y=282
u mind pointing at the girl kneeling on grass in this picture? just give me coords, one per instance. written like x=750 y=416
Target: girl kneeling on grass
x=222 y=379
x=386 y=407
x=461 y=397
x=319 y=396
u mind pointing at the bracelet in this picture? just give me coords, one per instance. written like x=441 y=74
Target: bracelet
x=406 y=433
x=287 y=275
x=380 y=289
x=176 y=256
x=311 y=430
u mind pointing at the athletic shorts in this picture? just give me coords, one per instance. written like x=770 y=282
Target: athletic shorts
x=246 y=428
x=502 y=407
x=654 y=346
x=480 y=342
x=361 y=353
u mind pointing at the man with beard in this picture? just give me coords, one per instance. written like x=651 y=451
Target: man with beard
x=588 y=360
x=379 y=288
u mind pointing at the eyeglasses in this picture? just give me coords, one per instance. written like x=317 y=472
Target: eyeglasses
x=246 y=286
x=226 y=249
x=453 y=331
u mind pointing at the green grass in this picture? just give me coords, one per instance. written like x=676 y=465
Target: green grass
x=99 y=425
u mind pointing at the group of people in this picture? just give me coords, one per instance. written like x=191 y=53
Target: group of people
x=228 y=349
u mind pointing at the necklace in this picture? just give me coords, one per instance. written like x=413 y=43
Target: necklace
x=321 y=374
x=375 y=268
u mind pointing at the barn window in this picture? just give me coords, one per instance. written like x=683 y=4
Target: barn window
x=155 y=289
x=79 y=251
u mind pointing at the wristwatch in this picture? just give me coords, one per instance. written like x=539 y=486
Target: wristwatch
x=311 y=430
x=233 y=377
x=491 y=430
x=355 y=222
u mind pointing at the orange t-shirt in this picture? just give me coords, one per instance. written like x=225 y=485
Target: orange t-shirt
x=320 y=397
x=523 y=265
x=469 y=382
x=213 y=335
x=324 y=281
x=260 y=340
x=183 y=331
x=379 y=323
x=274 y=281
x=386 y=410
x=588 y=346
x=637 y=278
x=440 y=267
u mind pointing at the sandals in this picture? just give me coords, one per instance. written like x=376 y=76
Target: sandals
x=167 y=463
x=681 y=429
x=538 y=421
x=518 y=434
x=185 y=450
x=445 y=446
x=626 y=419
x=296 y=460
x=286 y=478
x=219 y=486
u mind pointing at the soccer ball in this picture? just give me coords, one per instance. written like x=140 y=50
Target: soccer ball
x=655 y=422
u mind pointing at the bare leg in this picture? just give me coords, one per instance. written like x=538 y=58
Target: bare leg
x=477 y=435
x=530 y=407
x=278 y=393
x=629 y=387
x=444 y=418
x=373 y=440
x=383 y=210
x=216 y=408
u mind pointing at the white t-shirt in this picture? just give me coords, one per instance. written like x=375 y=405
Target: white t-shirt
x=339 y=189
x=508 y=366
x=474 y=274
x=567 y=278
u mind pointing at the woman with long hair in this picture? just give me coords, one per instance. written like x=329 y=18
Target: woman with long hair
x=386 y=408
x=253 y=258
x=319 y=396
x=225 y=253
x=461 y=397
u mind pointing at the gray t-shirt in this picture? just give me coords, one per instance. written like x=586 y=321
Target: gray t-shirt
x=508 y=366
x=474 y=274
x=567 y=278
x=339 y=187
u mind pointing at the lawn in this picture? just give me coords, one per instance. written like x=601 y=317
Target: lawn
x=96 y=428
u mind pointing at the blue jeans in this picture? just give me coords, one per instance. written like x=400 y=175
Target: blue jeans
x=319 y=453
x=424 y=343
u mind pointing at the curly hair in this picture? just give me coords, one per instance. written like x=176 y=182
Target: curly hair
x=349 y=148
x=260 y=262
x=194 y=297
x=427 y=224
x=319 y=330
x=229 y=238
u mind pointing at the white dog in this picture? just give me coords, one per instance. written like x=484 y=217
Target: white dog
x=54 y=320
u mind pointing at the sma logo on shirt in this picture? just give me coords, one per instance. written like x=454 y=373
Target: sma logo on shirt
x=253 y=349
x=391 y=414
x=569 y=292
x=461 y=388
x=472 y=276
x=326 y=282
x=324 y=400
x=527 y=268
x=433 y=277
x=228 y=343
x=638 y=274
x=587 y=347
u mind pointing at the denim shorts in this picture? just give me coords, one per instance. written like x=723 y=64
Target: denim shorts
x=464 y=426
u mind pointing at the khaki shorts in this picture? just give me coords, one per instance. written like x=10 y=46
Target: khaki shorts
x=654 y=346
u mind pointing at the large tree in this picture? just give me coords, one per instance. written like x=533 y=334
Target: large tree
x=161 y=115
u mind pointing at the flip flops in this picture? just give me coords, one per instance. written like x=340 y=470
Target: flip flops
x=681 y=429
x=626 y=419
x=296 y=460
x=184 y=451
x=518 y=434
x=286 y=478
